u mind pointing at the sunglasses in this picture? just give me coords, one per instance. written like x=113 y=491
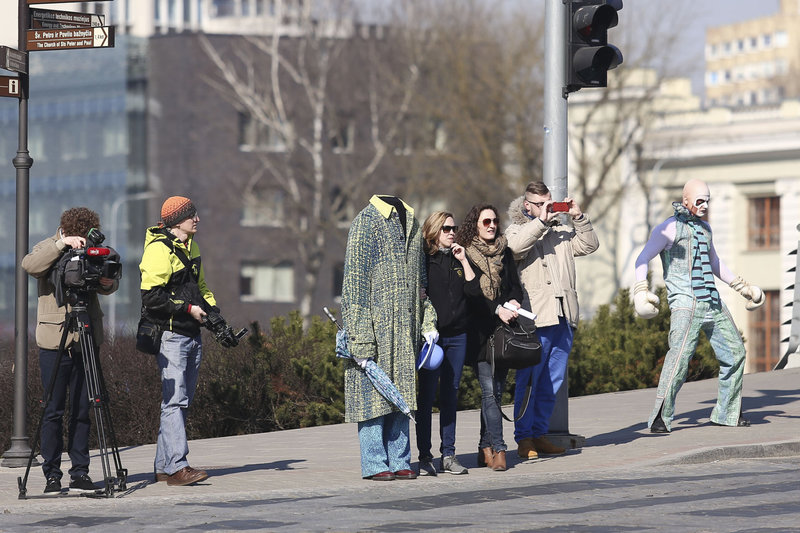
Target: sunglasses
x=537 y=204
x=487 y=221
x=449 y=229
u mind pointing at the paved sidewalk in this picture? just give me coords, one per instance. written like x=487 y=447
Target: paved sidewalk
x=326 y=458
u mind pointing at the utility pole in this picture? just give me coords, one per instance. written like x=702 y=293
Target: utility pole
x=17 y=455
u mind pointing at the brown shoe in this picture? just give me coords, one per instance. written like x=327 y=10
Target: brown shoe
x=485 y=456
x=499 y=461
x=160 y=476
x=526 y=450
x=186 y=476
x=545 y=447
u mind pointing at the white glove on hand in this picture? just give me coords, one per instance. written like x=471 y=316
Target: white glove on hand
x=754 y=295
x=361 y=362
x=431 y=337
x=644 y=301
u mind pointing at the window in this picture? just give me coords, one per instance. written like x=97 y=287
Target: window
x=264 y=208
x=224 y=8
x=764 y=223
x=260 y=282
x=766 y=39
x=781 y=39
x=764 y=349
x=73 y=143
x=257 y=136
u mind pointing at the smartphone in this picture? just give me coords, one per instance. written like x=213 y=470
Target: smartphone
x=559 y=207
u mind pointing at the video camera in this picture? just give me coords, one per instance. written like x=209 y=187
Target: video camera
x=222 y=332
x=82 y=268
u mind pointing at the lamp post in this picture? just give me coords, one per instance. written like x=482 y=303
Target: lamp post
x=17 y=455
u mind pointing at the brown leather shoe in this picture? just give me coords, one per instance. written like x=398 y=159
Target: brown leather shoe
x=485 y=456
x=382 y=476
x=405 y=474
x=186 y=476
x=499 y=461
x=545 y=447
x=160 y=476
x=526 y=450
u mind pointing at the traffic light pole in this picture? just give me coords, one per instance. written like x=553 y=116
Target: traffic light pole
x=555 y=99
x=17 y=455
x=555 y=169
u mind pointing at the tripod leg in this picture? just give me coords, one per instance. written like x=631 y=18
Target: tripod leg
x=95 y=402
x=122 y=473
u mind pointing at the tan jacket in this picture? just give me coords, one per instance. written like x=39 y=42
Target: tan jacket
x=546 y=261
x=49 y=316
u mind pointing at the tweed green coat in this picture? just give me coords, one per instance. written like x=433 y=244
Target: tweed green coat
x=382 y=311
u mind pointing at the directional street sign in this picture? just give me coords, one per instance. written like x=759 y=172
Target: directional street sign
x=9 y=86
x=50 y=19
x=13 y=60
x=70 y=38
x=54 y=1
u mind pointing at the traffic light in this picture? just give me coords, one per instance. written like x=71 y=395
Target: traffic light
x=589 y=56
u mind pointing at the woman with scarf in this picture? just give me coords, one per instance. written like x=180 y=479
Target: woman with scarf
x=496 y=273
x=450 y=280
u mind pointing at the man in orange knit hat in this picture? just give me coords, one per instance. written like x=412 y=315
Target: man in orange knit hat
x=176 y=298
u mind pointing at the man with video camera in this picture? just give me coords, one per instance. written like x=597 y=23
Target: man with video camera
x=177 y=301
x=75 y=226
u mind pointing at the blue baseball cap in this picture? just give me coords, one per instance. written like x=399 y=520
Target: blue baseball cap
x=430 y=357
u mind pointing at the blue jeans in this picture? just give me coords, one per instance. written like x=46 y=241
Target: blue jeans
x=446 y=379
x=70 y=374
x=385 y=444
x=547 y=377
x=179 y=361
x=491 y=417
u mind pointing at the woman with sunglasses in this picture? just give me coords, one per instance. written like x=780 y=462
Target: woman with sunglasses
x=450 y=278
x=496 y=274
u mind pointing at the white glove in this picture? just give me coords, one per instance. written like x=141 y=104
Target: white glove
x=431 y=337
x=754 y=295
x=361 y=362
x=644 y=301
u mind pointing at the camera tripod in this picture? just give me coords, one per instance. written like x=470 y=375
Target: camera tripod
x=77 y=321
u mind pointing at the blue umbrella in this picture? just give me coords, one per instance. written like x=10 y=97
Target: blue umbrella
x=379 y=379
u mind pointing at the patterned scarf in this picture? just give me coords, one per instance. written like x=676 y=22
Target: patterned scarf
x=703 y=284
x=488 y=257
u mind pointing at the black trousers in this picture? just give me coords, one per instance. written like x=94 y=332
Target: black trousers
x=70 y=375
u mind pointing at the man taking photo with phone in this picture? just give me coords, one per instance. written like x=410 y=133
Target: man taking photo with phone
x=545 y=251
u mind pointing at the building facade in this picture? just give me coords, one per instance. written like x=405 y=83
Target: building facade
x=756 y=61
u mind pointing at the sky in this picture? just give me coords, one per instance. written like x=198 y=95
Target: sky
x=698 y=15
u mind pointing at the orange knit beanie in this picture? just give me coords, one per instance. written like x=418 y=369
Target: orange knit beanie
x=176 y=209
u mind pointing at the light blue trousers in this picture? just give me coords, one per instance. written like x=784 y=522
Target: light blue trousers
x=385 y=444
x=179 y=361
x=685 y=327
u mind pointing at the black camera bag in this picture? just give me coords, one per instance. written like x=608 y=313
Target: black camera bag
x=514 y=347
x=148 y=337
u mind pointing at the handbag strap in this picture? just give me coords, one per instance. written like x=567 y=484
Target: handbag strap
x=528 y=388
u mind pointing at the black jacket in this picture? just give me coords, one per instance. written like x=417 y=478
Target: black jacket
x=448 y=291
x=483 y=319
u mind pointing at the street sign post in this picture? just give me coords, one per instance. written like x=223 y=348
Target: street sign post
x=70 y=38
x=13 y=60
x=51 y=19
x=57 y=1
x=9 y=86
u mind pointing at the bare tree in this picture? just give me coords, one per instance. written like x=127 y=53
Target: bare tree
x=308 y=93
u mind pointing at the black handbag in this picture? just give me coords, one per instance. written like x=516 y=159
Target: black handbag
x=514 y=346
x=148 y=337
